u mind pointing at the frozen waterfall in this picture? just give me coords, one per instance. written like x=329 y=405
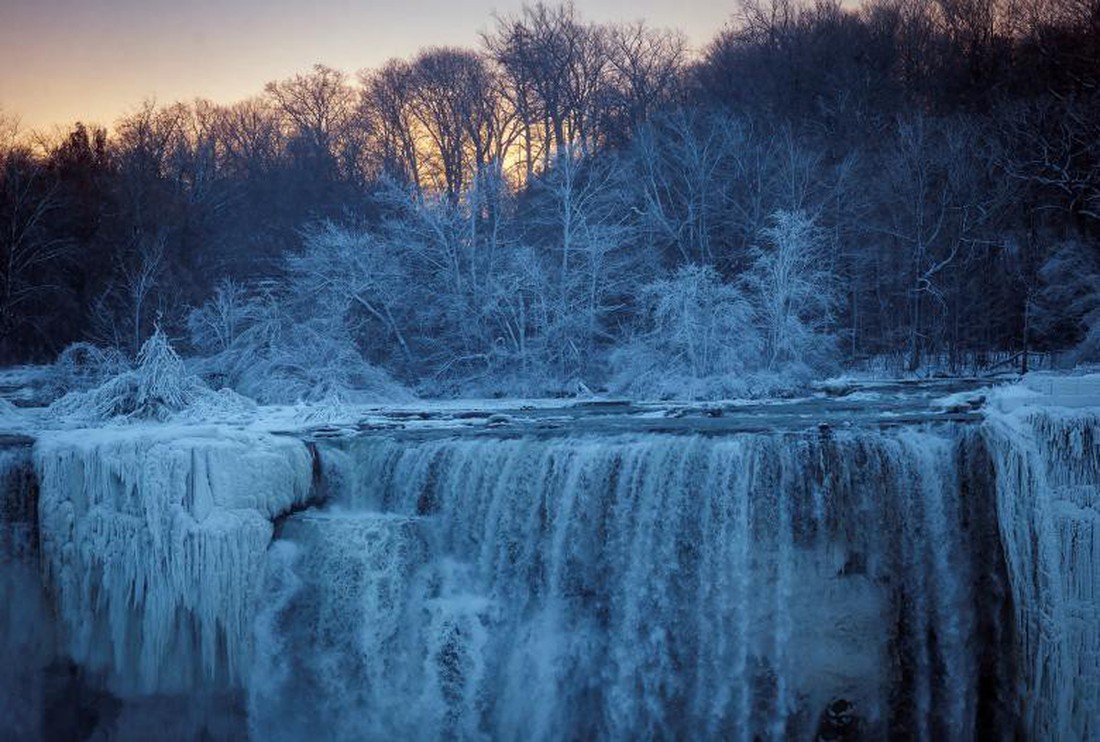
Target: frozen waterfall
x=586 y=574
x=1048 y=502
x=152 y=542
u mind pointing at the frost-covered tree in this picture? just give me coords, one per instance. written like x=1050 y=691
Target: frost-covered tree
x=519 y=315
x=352 y=276
x=215 y=325
x=697 y=338
x=158 y=387
x=792 y=291
x=584 y=229
x=283 y=351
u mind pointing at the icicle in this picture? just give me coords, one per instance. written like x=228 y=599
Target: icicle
x=152 y=542
x=1048 y=499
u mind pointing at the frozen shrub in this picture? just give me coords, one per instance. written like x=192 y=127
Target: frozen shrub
x=697 y=339
x=82 y=366
x=156 y=389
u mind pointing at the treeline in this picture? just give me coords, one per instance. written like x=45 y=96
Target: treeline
x=578 y=204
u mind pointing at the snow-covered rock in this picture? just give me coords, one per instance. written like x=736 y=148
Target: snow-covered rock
x=153 y=540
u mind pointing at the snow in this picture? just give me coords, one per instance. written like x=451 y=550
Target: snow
x=153 y=540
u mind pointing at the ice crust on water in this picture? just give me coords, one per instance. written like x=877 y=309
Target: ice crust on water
x=153 y=541
x=1048 y=501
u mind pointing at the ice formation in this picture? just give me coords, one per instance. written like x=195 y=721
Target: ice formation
x=153 y=539
x=1048 y=502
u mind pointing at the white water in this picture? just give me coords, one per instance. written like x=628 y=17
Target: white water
x=628 y=587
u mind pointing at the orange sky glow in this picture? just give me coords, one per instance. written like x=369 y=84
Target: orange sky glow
x=69 y=60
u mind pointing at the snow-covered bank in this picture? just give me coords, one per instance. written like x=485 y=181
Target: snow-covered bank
x=153 y=539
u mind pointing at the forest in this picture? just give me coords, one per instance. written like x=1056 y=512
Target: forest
x=905 y=187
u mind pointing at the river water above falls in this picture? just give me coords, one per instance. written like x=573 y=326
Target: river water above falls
x=847 y=568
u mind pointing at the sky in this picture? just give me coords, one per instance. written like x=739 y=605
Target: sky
x=96 y=60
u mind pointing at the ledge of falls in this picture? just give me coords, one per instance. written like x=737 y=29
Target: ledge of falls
x=874 y=565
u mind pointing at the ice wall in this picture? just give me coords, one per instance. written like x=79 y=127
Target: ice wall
x=153 y=541
x=637 y=587
x=1048 y=501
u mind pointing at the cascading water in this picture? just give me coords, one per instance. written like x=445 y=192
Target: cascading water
x=909 y=575
x=25 y=640
x=640 y=586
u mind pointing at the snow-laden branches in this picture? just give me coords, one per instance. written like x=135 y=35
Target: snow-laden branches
x=698 y=338
x=157 y=388
x=793 y=291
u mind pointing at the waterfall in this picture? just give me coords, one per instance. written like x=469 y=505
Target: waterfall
x=641 y=586
x=918 y=580
x=1048 y=503
x=26 y=642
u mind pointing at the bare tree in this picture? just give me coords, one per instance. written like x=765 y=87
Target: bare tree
x=318 y=108
x=587 y=230
x=28 y=200
x=645 y=72
x=140 y=277
x=792 y=290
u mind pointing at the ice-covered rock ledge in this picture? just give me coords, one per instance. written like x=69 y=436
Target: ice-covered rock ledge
x=153 y=540
x=1044 y=436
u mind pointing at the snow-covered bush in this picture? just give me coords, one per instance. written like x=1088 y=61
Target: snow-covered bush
x=82 y=366
x=697 y=340
x=313 y=361
x=282 y=353
x=157 y=388
x=217 y=323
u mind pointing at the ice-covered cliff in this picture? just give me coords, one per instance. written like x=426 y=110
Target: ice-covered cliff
x=1045 y=441
x=153 y=539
